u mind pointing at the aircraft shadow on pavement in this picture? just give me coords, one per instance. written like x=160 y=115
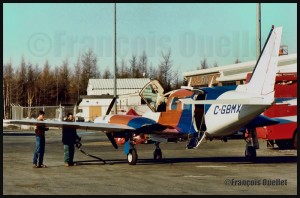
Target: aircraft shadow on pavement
x=90 y=162
x=18 y=134
x=239 y=160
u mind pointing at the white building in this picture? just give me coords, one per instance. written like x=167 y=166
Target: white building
x=100 y=93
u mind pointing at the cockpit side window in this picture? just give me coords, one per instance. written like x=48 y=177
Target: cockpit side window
x=174 y=103
x=151 y=94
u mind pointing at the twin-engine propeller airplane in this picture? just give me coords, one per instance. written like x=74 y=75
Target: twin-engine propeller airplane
x=194 y=113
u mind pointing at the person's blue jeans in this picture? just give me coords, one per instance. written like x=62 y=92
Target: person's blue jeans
x=38 y=156
x=69 y=151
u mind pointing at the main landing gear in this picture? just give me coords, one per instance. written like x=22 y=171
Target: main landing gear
x=157 y=154
x=132 y=155
x=251 y=144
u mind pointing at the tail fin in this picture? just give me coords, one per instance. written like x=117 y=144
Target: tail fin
x=263 y=77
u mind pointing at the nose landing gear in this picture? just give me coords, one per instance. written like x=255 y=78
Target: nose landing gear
x=132 y=155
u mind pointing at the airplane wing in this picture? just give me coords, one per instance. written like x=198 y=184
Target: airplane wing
x=245 y=101
x=103 y=127
x=79 y=125
x=110 y=129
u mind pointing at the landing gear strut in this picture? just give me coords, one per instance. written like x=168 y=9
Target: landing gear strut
x=251 y=144
x=132 y=155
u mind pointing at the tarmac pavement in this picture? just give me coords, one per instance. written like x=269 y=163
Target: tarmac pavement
x=215 y=168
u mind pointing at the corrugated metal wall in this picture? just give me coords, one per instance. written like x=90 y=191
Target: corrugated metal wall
x=124 y=86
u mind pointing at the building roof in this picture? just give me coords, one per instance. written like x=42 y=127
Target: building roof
x=124 y=86
x=286 y=63
x=96 y=96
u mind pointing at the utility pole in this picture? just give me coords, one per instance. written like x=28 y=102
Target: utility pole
x=258 y=30
x=115 y=67
x=57 y=85
x=4 y=102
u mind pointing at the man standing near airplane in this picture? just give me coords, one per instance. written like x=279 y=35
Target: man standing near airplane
x=69 y=138
x=38 y=156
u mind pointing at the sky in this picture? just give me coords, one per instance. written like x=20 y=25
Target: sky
x=219 y=32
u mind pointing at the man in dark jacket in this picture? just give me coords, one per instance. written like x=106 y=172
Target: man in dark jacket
x=69 y=138
x=40 y=141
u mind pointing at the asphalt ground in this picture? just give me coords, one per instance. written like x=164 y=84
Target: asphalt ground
x=215 y=168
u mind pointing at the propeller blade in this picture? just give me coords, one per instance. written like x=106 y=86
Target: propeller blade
x=112 y=140
x=111 y=105
x=109 y=135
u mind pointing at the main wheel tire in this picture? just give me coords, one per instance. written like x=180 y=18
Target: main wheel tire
x=250 y=153
x=132 y=157
x=157 y=154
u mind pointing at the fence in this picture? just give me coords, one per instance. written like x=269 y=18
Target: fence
x=81 y=113
x=52 y=112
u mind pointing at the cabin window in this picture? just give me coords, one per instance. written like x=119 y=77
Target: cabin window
x=186 y=106
x=174 y=103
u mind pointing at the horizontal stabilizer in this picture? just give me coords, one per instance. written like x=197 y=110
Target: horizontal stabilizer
x=261 y=121
x=245 y=101
x=286 y=119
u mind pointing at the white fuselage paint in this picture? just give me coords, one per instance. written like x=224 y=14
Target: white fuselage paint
x=226 y=119
x=152 y=115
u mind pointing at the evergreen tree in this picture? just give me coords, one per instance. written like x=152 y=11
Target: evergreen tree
x=89 y=69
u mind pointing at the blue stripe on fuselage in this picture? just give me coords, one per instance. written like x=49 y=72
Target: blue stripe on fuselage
x=212 y=93
x=138 y=122
x=185 y=121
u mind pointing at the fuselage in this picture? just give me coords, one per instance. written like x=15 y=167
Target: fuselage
x=216 y=120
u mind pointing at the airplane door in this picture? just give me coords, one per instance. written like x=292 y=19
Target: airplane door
x=199 y=115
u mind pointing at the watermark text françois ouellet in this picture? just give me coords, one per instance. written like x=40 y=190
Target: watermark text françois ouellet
x=255 y=182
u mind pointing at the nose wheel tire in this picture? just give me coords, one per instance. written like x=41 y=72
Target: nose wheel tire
x=132 y=157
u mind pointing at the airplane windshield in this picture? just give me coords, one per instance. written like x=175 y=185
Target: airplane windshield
x=150 y=93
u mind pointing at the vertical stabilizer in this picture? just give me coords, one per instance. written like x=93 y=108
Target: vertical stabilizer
x=263 y=77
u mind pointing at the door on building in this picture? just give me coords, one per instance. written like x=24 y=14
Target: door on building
x=94 y=111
